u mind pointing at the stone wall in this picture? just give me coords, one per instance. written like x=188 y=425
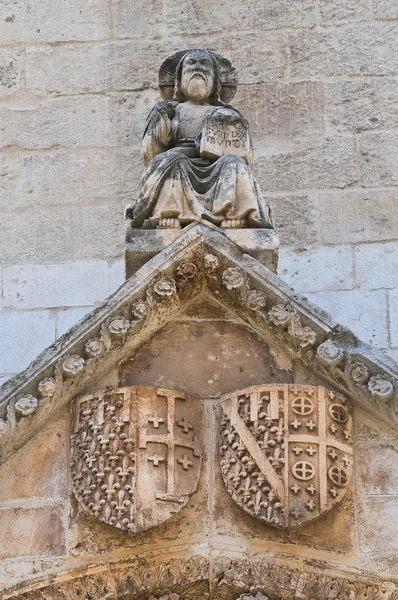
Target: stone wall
x=319 y=85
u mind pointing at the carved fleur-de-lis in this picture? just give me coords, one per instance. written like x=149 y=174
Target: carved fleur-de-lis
x=105 y=438
x=249 y=463
x=121 y=505
x=257 y=504
x=108 y=517
x=115 y=453
x=125 y=471
x=88 y=488
x=239 y=448
x=98 y=504
x=101 y=470
x=237 y=475
x=111 y=487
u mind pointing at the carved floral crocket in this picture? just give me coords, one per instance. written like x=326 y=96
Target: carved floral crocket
x=197 y=151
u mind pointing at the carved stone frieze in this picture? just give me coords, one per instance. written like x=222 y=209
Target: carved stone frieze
x=286 y=451
x=197 y=578
x=135 y=454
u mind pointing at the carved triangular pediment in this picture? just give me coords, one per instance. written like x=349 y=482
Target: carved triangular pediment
x=201 y=262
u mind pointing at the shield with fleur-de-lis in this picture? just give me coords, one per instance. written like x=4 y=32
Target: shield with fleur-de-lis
x=135 y=454
x=286 y=451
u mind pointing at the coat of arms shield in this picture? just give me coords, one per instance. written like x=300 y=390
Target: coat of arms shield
x=286 y=452
x=135 y=454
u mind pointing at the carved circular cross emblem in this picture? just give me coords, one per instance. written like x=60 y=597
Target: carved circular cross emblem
x=338 y=413
x=302 y=406
x=338 y=475
x=303 y=470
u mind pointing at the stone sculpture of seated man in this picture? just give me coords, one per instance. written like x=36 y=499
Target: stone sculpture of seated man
x=197 y=149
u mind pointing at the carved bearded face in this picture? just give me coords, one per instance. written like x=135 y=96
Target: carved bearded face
x=197 y=76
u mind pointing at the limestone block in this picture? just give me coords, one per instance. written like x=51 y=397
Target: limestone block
x=138 y=19
x=295 y=219
x=39 y=21
x=69 y=176
x=330 y=162
x=377 y=265
x=198 y=17
x=55 y=122
x=26 y=532
x=393 y=301
x=68 y=317
x=362 y=104
x=11 y=66
x=41 y=466
x=319 y=269
x=336 y=11
x=384 y=9
x=377 y=469
x=47 y=286
x=67 y=69
x=22 y=336
x=279 y=112
x=96 y=233
x=142 y=245
x=360 y=216
x=349 y=50
x=379 y=158
x=365 y=312
x=378 y=524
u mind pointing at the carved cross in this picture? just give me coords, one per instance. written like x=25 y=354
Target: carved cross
x=311 y=425
x=185 y=462
x=156 y=421
x=156 y=460
x=296 y=424
x=185 y=425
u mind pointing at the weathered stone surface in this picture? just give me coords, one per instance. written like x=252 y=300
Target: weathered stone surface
x=11 y=66
x=97 y=233
x=378 y=469
x=41 y=22
x=319 y=269
x=393 y=302
x=364 y=312
x=141 y=19
x=41 y=467
x=68 y=284
x=384 y=9
x=84 y=176
x=360 y=216
x=330 y=162
x=280 y=112
x=362 y=104
x=213 y=18
x=22 y=336
x=26 y=532
x=377 y=524
x=379 y=158
x=127 y=113
x=377 y=266
x=295 y=219
x=55 y=122
x=350 y=50
x=336 y=11
x=69 y=317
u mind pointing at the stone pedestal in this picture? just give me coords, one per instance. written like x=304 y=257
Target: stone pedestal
x=144 y=244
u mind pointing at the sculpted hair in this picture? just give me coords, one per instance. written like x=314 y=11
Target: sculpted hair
x=214 y=98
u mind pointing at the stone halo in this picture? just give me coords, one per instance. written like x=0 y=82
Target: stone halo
x=229 y=76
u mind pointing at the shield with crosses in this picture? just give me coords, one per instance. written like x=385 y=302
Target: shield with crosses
x=286 y=451
x=135 y=454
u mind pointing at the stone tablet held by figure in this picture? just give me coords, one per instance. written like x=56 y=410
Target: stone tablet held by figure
x=197 y=151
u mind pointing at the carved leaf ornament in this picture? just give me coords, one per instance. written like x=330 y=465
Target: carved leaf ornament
x=286 y=452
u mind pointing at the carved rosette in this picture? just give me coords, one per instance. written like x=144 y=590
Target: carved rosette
x=286 y=451
x=135 y=454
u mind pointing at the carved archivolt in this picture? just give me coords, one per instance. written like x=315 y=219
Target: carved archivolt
x=194 y=578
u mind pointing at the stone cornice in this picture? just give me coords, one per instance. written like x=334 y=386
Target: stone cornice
x=202 y=259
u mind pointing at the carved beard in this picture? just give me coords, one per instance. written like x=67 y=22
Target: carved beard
x=196 y=85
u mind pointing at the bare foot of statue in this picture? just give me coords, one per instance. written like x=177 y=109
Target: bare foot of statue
x=233 y=223
x=169 y=223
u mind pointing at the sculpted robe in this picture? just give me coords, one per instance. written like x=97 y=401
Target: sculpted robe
x=179 y=183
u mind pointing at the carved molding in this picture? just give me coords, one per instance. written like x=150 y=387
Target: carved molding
x=194 y=578
x=200 y=259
